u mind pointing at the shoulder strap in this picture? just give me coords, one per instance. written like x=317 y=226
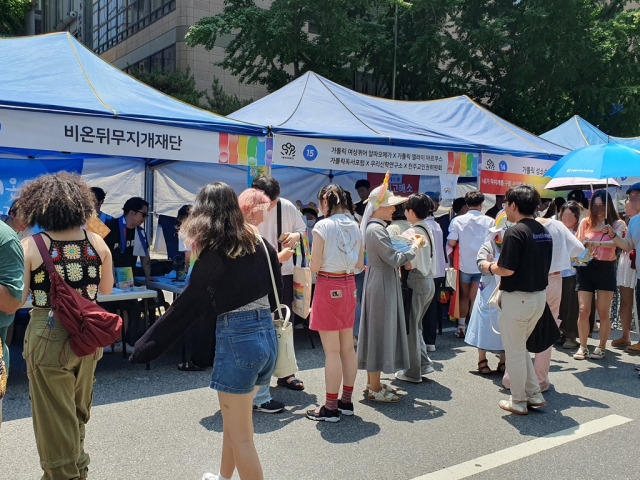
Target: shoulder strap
x=279 y=222
x=273 y=280
x=46 y=256
x=429 y=237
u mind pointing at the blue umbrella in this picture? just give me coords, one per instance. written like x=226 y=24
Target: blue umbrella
x=598 y=161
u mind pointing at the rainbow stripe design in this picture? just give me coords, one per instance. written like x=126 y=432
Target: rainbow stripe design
x=463 y=164
x=383 y=188
x=298 y=291
x=244 y=150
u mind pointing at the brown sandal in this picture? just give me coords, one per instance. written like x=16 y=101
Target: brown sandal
x=483 y=367
x=501 y=367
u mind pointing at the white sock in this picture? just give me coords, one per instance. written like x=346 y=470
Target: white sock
x=220 y=477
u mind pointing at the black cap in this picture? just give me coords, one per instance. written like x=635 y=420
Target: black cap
x=633 y=188
x=435 y=196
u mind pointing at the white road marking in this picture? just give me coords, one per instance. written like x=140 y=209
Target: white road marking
x=517 y=452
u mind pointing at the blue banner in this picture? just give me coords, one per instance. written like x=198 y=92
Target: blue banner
x=14 y=172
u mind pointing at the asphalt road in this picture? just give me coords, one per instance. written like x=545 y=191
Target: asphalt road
x=165 y=424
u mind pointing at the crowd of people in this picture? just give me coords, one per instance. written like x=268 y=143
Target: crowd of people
x=380 y=293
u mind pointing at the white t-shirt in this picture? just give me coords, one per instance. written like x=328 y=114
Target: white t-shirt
x=291 y=222
x=342 y=242
x=470 y=230
x=633 y=233
x=565 y=245
x=438 y=254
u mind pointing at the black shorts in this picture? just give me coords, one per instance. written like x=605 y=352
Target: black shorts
x=597 y=275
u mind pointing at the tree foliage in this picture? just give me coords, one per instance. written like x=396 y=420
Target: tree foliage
x=534 y=62
x=13 y=14
x=182 y=85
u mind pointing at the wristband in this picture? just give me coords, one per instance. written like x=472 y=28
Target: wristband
x=490 y=272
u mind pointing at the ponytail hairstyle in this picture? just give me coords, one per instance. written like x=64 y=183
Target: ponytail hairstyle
x=336 y=196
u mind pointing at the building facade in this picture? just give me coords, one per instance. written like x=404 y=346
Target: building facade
x=146 y=34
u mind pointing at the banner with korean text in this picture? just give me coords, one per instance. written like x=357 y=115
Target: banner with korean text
x=364 y=157
x=125 y=138
x=498 y=173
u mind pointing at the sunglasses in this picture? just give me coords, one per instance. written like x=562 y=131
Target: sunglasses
x=144 y=214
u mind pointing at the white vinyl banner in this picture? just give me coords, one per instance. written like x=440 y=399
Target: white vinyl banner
x=363 y=157
x=124 y=138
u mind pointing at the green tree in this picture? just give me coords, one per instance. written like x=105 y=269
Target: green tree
x=538 y=62
x=179 y=84
x=222 y=103
x=13 y=15
x=273 y=46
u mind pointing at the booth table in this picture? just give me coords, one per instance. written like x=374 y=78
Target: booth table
x=118 y=295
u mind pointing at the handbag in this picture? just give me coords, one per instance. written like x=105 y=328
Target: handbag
x=286 y=363
x=301 y=287
x=450 y=278
x=545 y=333
x=89 y=325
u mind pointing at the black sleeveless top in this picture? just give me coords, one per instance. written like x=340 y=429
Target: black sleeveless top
x=77 y=263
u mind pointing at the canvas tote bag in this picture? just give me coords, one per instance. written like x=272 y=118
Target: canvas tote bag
x=286 y=363
x=301 y=287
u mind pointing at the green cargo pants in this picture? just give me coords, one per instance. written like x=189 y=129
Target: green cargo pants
x=61 y=392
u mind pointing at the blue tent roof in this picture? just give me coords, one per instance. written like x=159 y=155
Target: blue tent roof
x=576 y=133
x=312 y=106
x=57 y=74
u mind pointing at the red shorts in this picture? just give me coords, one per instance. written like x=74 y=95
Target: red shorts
x=334 y=304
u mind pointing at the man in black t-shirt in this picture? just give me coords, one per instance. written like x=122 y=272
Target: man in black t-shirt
x=363 y=187
x=524 y=268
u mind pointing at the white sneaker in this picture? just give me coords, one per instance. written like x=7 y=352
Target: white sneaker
x=209 y=476
x=427 y=369
x=431 y=348
x=400 y=375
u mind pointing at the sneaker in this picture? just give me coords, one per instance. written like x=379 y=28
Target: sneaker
x=427 y=369
x=536 y=401
x=431 y=348
x=460 y=333
x=209 y=476
x=598 y=353
x=400 y=375
x=570 y=344
x=272 y=406
x=323 y=414
x=117 y=347
x=582 y=353
x=345 y=408
x=516 y=408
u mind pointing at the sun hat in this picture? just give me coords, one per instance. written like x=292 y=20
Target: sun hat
x=501 y=222
x=386 y=199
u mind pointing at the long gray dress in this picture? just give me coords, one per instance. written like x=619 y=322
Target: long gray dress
x=382 y=343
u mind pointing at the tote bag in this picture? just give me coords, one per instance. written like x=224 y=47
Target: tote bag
x=545 y=333
x=286 y=363
x=301 y=287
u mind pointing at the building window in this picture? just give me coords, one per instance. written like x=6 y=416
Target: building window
x=115 y=20
x=162 y=61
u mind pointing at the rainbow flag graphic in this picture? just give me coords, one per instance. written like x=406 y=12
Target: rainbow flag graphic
x=244 y=150
x=463 y=164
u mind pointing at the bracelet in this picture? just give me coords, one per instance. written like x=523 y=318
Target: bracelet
x=490 y=272
x=614 y=235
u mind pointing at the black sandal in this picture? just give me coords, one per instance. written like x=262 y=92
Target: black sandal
x=190 y=367
x=294 y=384
x=483 y=367
x=501 y=367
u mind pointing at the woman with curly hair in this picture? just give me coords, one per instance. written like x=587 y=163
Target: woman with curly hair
x=230 y=281
x=60 y=382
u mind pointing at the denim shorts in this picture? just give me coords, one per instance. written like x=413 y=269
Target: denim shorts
x=246 y=351
x=470 y=277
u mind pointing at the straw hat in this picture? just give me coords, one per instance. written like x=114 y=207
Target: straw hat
x=387 y=200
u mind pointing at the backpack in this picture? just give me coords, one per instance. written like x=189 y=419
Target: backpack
x=89 y=325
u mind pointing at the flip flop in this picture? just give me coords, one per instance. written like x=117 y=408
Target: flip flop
x=294 y=384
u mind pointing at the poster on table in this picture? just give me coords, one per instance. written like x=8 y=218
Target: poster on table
x=127 y=138
x=369 y=158
x=498 y=173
